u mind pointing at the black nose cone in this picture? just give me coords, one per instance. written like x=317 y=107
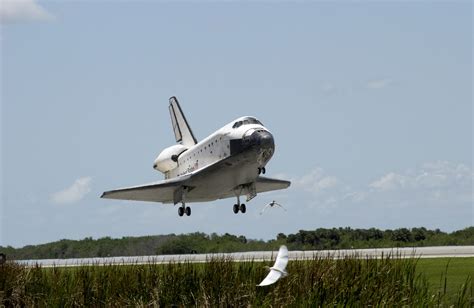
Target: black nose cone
x=263 y=140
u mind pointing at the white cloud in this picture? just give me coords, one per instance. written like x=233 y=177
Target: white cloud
x=351 y=195
x=443 y=173
x=328 y=182
x=322 y=191
x=435 y=184
x=378 y=83
x=22 y=10
x=316 y=181
x=390 y=181
x=74 y=193
x=432 y=185
x=431 y=175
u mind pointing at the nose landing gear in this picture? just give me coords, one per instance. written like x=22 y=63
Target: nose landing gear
x=261 y=170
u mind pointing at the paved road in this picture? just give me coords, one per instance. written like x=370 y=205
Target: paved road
x=422 y=252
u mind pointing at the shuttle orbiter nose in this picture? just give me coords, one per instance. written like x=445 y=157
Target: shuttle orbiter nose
x=263 y=139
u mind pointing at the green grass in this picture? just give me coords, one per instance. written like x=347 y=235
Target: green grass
x=449 y=272
x=220 y=282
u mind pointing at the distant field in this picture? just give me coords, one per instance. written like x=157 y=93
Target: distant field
x=456 y=271
x=221 y=282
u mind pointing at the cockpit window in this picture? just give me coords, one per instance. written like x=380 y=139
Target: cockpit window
x=237 y=124
x=246 y=121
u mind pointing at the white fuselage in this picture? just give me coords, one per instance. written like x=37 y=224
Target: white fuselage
x=216 y=147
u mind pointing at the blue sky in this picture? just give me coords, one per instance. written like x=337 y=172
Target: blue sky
x=370 y=105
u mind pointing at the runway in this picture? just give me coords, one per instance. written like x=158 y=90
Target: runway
x=406 y=252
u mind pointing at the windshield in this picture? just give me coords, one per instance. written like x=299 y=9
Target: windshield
x=246 y=121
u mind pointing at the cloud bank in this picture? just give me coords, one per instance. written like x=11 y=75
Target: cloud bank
x=74 y=193
x=12 y=11
x=438 y=182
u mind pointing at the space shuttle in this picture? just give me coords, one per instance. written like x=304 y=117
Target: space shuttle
x=228 y=163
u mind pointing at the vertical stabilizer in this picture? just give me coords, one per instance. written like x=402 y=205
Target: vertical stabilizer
x=182 y=131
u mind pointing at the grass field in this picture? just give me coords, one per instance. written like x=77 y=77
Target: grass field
x=449 y=272
x=220 y=282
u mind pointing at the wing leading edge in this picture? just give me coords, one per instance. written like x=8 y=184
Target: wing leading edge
x=161 y=191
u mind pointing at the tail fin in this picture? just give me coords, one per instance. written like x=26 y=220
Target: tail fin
x=182 y=131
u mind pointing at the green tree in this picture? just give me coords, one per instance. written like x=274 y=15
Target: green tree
x=401 y=235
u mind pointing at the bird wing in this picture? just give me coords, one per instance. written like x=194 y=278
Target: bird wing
x=272 y=277
x=282 y=259
x=280 y=205
x=278 y=268
x=264 y=208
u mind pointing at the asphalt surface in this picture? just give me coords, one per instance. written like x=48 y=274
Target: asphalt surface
x=421 y=252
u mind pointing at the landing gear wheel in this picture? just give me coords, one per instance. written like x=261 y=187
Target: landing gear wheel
x=263 y=170
x=188 y=211
x=236 y=208
x=180 y=211
x=243 y=208
x=259 y=171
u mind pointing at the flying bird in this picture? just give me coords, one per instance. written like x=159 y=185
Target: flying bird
x=278 y=269
x=271 y=204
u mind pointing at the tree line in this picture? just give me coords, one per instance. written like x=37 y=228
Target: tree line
x=322 y=238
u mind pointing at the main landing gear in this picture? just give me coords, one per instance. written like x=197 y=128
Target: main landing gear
x=180 y=196
x=239 y=207
x=184 y=210
x=261 y=170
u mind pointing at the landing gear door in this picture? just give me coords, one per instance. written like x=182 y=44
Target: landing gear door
x=251 y=192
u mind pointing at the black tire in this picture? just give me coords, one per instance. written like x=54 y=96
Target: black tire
x=3 y=258
x=236 y=208
x=259 y=171
x=188 y=211
x=243 y=208
x=180 y=211
x=263 y=170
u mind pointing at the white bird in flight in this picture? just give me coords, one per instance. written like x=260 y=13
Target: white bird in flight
x=271 y=204
x=278 y=269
